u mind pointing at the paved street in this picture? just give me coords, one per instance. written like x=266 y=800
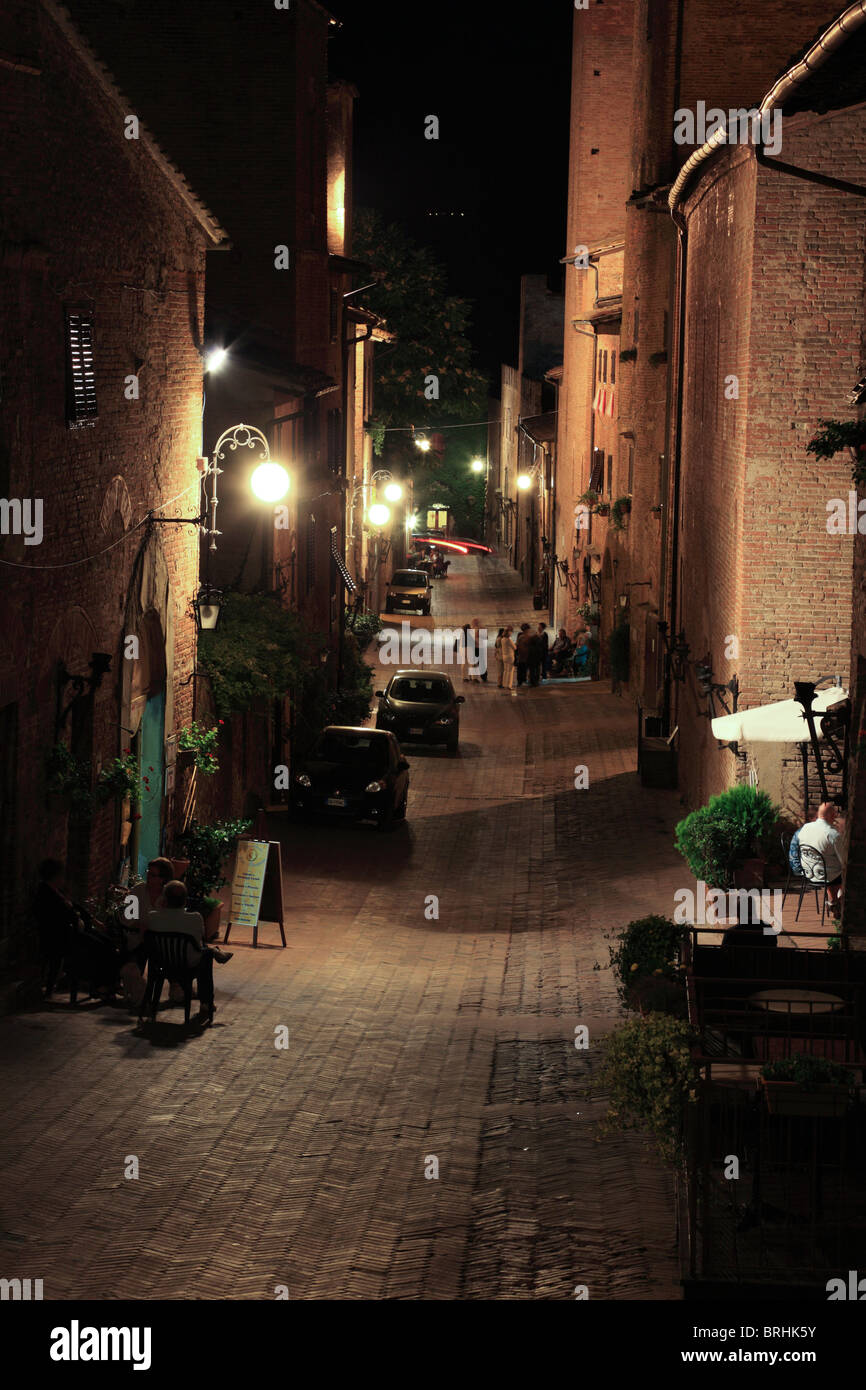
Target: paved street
x=409 y=1040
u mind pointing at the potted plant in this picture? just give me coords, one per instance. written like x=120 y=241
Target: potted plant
x=120 y=780
x=804 y=1085
x=724 y=840
x=651 y=1079
x=208 y=847
x=199 y=745
x=647 y=949
x=68 y=780
x=619 y=510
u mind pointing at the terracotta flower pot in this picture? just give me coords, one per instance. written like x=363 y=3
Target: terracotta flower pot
x=212 y=923
x=791 y=1098
x=179 y=867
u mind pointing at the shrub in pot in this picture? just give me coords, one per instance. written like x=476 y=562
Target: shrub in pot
x=718 y=840
x=208 y=847
x=646 y=947
x=805 y=1085
x=651 y=1078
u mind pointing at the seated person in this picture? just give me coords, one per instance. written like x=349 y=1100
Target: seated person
x=68 y=935
x=581 y=649
x=821 y=834
x=559 y=653
x=148 y=897
x=173 y=918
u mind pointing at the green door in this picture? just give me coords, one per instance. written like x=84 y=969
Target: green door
x=153 y=768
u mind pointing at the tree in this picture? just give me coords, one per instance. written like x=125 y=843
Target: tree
x=431 y=329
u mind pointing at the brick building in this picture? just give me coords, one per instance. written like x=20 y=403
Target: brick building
x=103 y=263
x=277 y=169
x=742 y=282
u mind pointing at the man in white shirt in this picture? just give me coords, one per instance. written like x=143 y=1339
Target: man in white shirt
x=821 y=834
x=174 y=918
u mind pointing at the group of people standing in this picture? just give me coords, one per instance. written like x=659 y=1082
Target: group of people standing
x=530 y=658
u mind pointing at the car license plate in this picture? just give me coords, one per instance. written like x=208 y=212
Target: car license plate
x=336 y=801
x=416 y=731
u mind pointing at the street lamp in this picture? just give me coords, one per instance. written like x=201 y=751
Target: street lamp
x=422 y=443
x=207 y=605
x=379 y=514
x=477 y=465
x=215 y=359
x=270 y=482
x=524 y=481
x=393 y=492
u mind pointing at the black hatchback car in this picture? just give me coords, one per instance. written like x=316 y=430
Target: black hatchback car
x=353 y=774
x=420 y=706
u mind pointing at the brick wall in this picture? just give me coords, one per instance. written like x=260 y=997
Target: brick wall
x=89 y=218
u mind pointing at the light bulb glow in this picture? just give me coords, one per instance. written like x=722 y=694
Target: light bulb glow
x=524 y=481
x=379 y=515
x=413 y=521
x=270 y=482
x=393 y=492
x=215 y=359
x=423 y=444
x=477 y=465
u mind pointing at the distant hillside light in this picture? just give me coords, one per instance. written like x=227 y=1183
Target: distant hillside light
x=270 y=482
x=379 y=514
x=393 y=492
x=524 y=481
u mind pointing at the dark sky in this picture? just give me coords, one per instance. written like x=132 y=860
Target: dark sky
x=498 y=78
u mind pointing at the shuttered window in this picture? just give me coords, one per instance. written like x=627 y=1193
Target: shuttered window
x=80 y=373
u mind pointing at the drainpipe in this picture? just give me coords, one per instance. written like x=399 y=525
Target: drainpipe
x=673 y=610
x=829 y=42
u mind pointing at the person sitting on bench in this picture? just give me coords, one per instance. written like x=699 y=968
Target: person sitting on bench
x=174 y=918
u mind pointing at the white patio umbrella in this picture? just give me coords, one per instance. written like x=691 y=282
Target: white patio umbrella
x=781 y=722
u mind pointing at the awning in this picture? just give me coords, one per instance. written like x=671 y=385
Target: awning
x=351 y=586
x=781 y=722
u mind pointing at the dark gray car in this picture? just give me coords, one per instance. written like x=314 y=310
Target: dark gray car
x=421 y=707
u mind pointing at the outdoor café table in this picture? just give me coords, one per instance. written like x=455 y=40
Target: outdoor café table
x=796 y=1001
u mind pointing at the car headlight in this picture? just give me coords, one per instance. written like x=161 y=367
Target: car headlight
x=374 y=787
x=303 y=780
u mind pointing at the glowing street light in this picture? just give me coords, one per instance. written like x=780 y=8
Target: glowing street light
x=422 y=443
x=477 y=465
x=412 y=523
x=379 y=514
x=215 y=359
x=524 y=481
x=270 y=482
x=393 y=492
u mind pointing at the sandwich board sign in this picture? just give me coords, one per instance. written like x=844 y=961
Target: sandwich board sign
x=257 y=887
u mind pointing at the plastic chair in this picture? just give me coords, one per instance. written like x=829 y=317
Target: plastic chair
x=168 y=959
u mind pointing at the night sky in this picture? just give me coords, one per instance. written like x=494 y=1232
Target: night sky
x=499 y=81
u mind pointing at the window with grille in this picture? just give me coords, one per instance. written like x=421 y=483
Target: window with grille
x=80 y=371
x=311 y=553
x=596 y=477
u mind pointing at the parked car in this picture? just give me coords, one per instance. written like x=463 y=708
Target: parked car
x=421 y=706
x=408 y=591
x=353 y=774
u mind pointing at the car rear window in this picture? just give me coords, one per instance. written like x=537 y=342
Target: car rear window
x=361 y=748
x=412 y=579
x=421 y=689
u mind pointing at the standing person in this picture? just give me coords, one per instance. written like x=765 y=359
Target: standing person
x=524 y=639
x=479 y=644
x=536 y=655
x=497 y=654
x=545 y=648
x=174 y=918
x=508 y=653
x=821 y=834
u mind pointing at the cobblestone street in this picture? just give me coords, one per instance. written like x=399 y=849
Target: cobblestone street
x=409 y=1038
